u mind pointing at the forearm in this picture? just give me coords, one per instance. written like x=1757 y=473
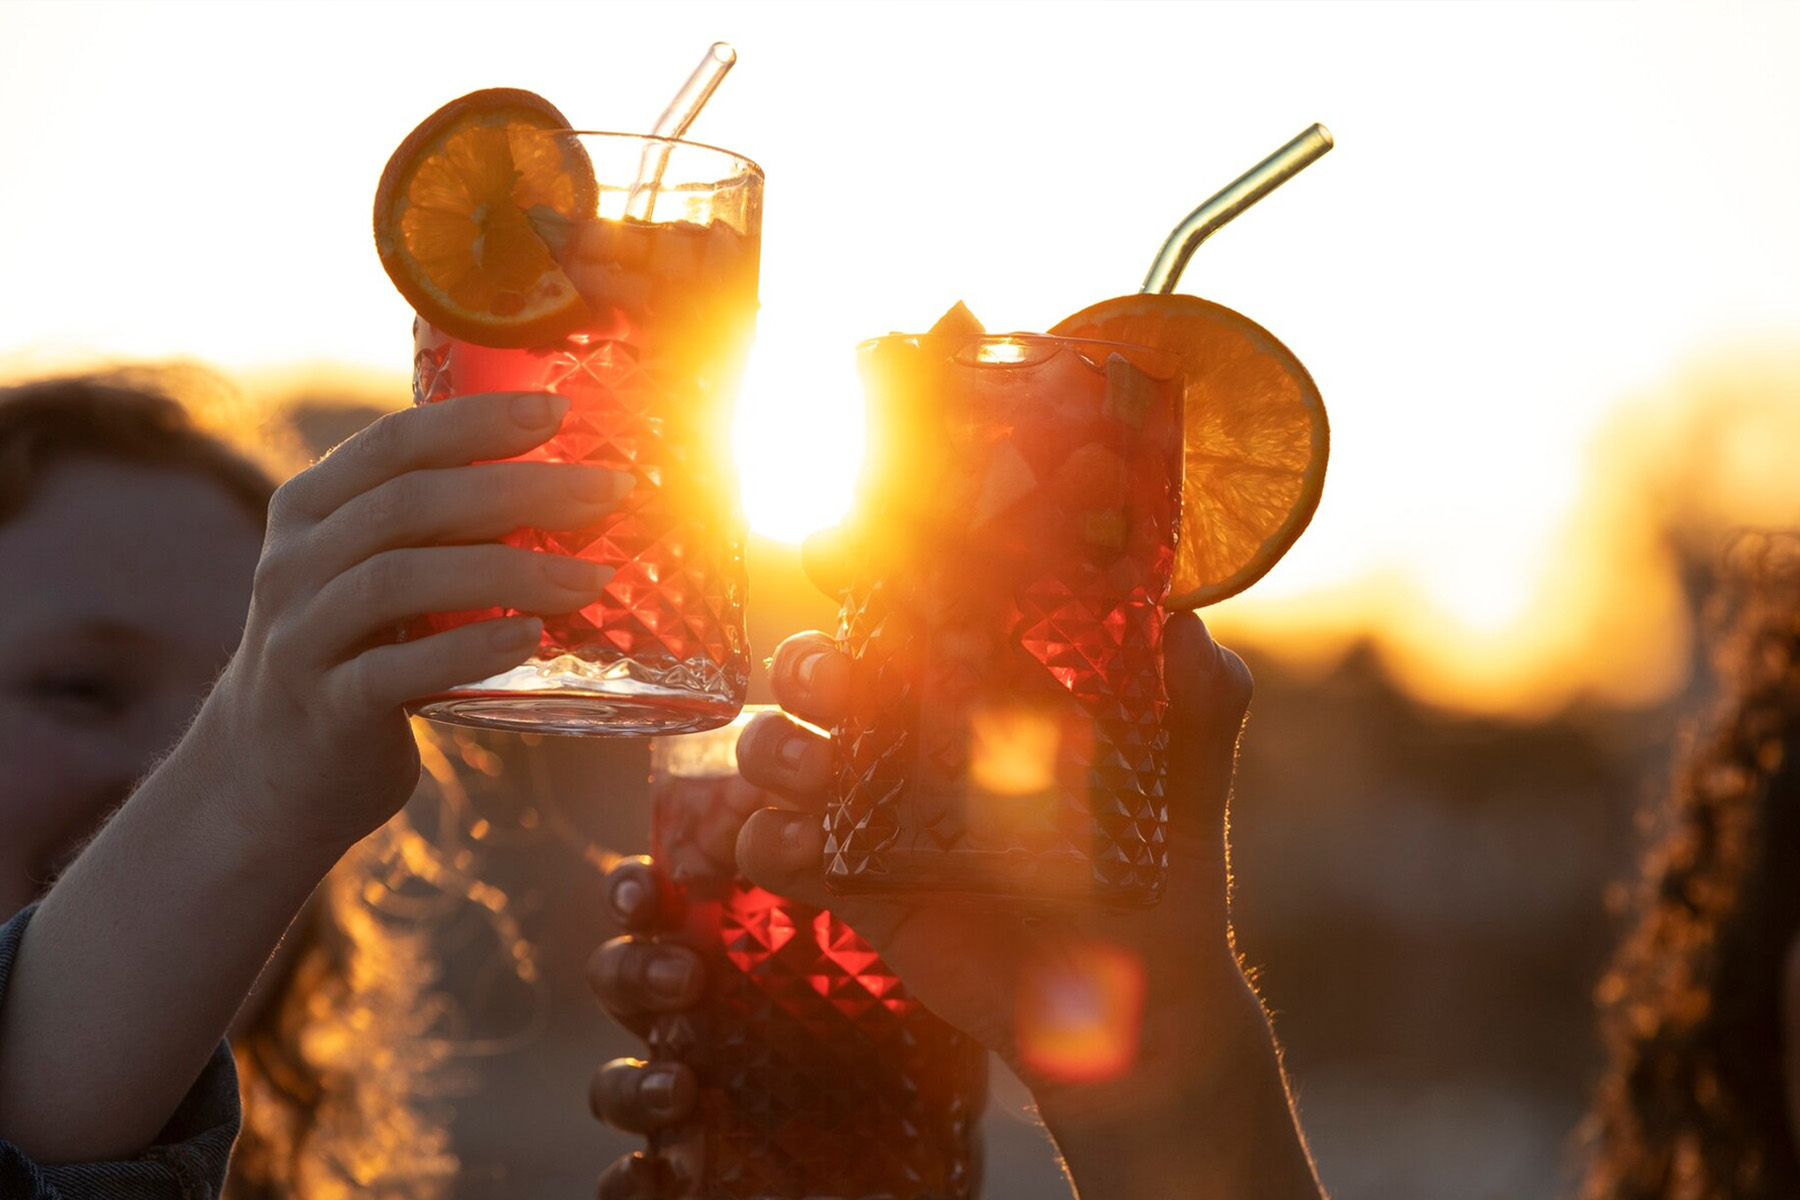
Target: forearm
x=133 y=966
x=1223 y=1129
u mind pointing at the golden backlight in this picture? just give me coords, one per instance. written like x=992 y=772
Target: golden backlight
x=197 y=201
x=1603 y=608
x=799 y=437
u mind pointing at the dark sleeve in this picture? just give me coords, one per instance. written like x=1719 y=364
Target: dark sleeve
x=187 y=1161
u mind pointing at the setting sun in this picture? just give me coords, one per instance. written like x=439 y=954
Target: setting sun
x=798 y=437
x=1473 y=350
x=1481 y=799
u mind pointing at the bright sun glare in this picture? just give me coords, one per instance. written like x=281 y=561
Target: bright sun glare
x=798 y=439
x=1469 y=343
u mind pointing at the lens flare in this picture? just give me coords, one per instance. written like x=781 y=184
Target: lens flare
x=1079 y=1017
x=1012 y=749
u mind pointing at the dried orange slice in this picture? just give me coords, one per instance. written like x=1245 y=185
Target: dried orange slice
x=466 y=211
x=1256 y=436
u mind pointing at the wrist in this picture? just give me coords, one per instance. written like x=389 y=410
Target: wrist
x=1203 y=1113
x=252 y=818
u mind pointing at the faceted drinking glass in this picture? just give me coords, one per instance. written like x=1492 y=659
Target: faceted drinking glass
x=667 y=265
x=1002 y=583
x=820 y=1074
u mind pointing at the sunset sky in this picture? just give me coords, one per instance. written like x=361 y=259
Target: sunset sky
x=1539 y=221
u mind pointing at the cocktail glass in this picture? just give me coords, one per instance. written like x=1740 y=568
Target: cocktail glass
x=1003 y=574
x=667 y=265
x=820 y=1075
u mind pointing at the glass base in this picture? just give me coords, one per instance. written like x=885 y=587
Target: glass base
x=572 y=698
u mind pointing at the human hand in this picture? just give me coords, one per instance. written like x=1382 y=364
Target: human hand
x=639 y=976
x=1187 y=1097
x=992 y=972
x=1175 y=1086
x=636 y=979
x=309 y=717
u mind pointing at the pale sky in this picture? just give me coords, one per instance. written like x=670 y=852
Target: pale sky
x=1535 y=212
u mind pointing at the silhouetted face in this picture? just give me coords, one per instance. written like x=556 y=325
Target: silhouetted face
x=123 y=591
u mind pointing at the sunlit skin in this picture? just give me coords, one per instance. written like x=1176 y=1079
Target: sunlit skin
x=122 y=594
x=149 y=942
x=1084 y=1078
x=1200 y=1109
x=1078 y=1020
x=148 y=569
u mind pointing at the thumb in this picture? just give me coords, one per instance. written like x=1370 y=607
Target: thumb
x=1209 y=695
x=779 y=850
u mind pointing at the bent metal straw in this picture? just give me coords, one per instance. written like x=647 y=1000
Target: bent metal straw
x=1304 y=150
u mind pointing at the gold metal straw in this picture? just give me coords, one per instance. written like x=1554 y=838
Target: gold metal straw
x=1240 y=194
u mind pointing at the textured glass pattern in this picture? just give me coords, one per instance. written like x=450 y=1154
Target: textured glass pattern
x=821 y=1075
x=1006 y=730
x=668 y=630
x=667 y=312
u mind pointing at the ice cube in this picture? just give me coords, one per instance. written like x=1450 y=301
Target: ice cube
x=1009 y=479
x=555 y=229
x=1104 y=527
x=957 y=323
x=629 y=243
x=590 y=240
x=1092 y=476
x=677 y=251
x=1129 y=392
x=724 y=251
x=608 y=285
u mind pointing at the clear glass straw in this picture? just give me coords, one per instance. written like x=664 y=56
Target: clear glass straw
x=1241 y=193
x=674 y=122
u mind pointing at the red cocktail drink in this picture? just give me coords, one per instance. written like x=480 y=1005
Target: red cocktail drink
x=1003 y=585
x=819 y=1074
x=650 y=376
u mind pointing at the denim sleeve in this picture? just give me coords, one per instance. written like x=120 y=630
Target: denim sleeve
x=187 y=1162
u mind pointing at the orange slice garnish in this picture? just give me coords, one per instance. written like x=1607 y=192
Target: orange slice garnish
x=1256 y=436
x=467 y=211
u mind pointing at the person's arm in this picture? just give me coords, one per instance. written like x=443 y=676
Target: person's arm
x=1201 y=1109
x=1224 y=1129
x=129 y=974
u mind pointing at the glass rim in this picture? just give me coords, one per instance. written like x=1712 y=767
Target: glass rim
x=754 y=166
x=1169 y=357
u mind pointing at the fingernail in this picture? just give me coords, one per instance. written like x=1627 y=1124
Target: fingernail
x=658 y=1090
x=791 y=751
x=515 y=635
x=796 y=829
x=626 y=896
x=597 y=485
x=670 y=977
x=808 y=665
x=578 y=574
x=536 y=409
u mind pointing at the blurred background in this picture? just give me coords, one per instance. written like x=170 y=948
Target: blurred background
x=1549 y=284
